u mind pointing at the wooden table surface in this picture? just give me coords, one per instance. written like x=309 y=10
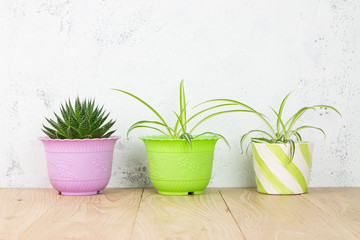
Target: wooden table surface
x=231 y=213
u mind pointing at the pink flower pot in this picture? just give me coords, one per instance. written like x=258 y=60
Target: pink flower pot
x=79 y=166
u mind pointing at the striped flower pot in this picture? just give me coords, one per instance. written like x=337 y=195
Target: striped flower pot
x=276 y=174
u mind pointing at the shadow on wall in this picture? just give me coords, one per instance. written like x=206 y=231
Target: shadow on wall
x=134 y=171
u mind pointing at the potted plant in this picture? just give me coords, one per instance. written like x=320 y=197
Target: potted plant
x=79 y=148
x=180 y=162
x=282 y=160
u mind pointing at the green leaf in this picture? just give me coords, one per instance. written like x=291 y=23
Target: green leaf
x=97 y=133
x=299 y=113
x=292 y=149
x=279 y=120
x=248 y=133
x=61 y=123
x=305 y=127
x=280 y=112
x=298 y=136
x=96 y=114
x=210 y=108
x=83 y=112
x=56 y=126
x=215 y=134
x=290 y=123
x=176 y=132
x=144 y=122
x=99 y=121
x=60 y=136
x=215 y=114
x=69 y=108
x=76 y=122
x=52 y=131
x=84 y=127
x=150 y=127
x=327 y=106
x=147 y=105
x=107 y=135
x=49 y=134
x=78 y=107
x=260 y=115
x=73 y=121
x=64 y=115
x=91 y=105
x=187 y=137
x=260 y=140
x=73 y=133
x=227 y=100
x=108 y=125
x=182 y=105
x=247 y=148
x=181 y=123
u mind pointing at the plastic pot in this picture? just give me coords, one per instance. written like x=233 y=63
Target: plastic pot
x=175 y=168
x=79 y=166
x=276 y=174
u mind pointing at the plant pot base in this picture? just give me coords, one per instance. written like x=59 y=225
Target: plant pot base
x=180 y=193
x=180 y=188
x=79 y=193
x=280 y=194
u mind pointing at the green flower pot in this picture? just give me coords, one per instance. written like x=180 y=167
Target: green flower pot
x=175 y=168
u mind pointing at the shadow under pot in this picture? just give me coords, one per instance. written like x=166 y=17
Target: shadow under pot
x=175 y=168
x=275 y=173
x=79 y=166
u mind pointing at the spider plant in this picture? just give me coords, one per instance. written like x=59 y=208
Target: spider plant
x=181 y=129
x=284 y=131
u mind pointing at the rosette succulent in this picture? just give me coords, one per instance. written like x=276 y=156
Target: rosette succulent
x=83 y=121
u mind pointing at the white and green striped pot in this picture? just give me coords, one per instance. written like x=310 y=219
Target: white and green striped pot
x=276 y=174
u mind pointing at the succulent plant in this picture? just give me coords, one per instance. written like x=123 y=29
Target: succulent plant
x=84 y=120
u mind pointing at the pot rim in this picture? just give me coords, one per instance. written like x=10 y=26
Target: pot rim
x=167 y=139
x=48 y=139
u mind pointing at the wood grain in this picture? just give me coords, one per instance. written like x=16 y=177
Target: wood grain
x=110 y=215
x=203 y=216
x=281 y=217
x=19 y=208
x=238 y=213
x=340 y=203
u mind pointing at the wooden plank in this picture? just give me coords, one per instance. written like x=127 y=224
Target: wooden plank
x=203 y=216
x=263 y=216
x=110 y=215
x=340 y=203
x=19 y=208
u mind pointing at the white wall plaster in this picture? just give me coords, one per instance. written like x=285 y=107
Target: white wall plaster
x=253 y=51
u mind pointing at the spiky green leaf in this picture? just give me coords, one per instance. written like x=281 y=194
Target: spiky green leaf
x=73 y=133
x=76 y=122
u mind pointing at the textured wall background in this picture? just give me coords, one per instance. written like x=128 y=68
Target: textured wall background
x=254 y=51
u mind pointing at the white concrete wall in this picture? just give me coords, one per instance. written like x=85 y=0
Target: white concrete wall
x=253 y=51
